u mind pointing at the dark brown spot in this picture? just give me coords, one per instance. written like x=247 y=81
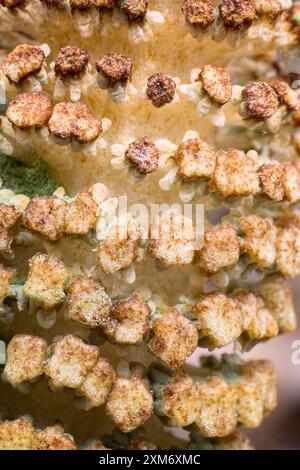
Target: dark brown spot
x=143 y=154
x=160 y=89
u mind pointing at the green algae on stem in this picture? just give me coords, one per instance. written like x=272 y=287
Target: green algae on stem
x=30 y=181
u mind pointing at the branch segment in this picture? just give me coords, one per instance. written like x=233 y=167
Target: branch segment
x=21 y=434
x=231 y=18
x=171 y=333
x=223 y=394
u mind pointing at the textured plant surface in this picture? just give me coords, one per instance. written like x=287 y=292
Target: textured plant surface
x=191 y=102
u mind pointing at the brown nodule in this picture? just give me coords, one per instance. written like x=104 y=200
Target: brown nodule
x=237 y=13
x=135 y=10
x=260 y=100
x=31 y=109
x=216 y=82
x=71 y=62
x=115 y=67
x=160 y=89
x=198 y=12
x=143 y=154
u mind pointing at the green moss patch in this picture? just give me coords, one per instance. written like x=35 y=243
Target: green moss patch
x=30 y=181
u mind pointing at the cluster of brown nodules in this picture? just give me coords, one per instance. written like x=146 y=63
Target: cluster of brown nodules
x=172 y=334
x=261 y=100
x=134 y=11
x=72 y=66
x=107 y=286
x=215 y=403
x=269 y=244
x=78 y=366
x=21 y=434
x=258 y=100
x=233 y=172
x=128 y=395
x=53 y=217
x=74 y=120
x=65 y=120
x=234 y=14
x=49 y=216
